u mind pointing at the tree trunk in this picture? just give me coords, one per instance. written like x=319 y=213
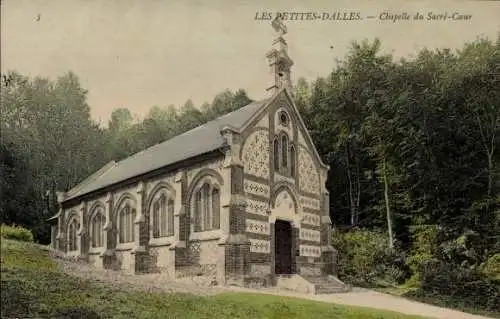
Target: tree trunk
x=490 y=173
x=358 y=191
x=387 y=206
x=351 y=193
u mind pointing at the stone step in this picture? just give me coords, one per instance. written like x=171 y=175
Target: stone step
x=320 y=280
x=327 y=285
x=329 y=290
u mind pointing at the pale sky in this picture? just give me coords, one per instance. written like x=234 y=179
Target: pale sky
x=140 y=53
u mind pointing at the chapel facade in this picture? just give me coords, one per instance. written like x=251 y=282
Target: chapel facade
x=240 y=198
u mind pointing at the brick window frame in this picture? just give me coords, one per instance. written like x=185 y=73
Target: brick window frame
x=126 y=227
x=285 y=153
x=162 y=215
x=206 y=206
x=72 y=234
x=96 y=229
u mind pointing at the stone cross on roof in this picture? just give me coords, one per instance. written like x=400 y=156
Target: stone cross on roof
x=278 y=25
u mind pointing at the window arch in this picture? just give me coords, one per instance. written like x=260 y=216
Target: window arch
x=284 y=155
x=126 y=218
x=206 y=207
x=97 y=228
x=215 y=208
x=162 y=212
x=276 y=148
x=73 y=227
x=284 y=151
x=292 y=160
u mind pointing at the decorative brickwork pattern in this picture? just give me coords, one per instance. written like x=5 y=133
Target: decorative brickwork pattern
x=310 y=251
x=255 y=188
x=260 y=246
x=257 y=207
x=310 y=235
x=257 y=227
x=308 y=202
x=311 y=219
x=255 y=154
x=308 y=174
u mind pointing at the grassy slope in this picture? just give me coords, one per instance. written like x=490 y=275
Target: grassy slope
x=32 y=285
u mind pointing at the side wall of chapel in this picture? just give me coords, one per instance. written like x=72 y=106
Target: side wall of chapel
x=185 y=253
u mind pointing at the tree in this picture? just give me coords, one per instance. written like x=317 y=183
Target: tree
x=121 y=119
x=48 y=130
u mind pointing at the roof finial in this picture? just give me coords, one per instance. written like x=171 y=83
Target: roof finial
x=279 y=61
x=278 y=25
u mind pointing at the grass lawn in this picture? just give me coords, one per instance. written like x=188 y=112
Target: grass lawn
x=33 y=286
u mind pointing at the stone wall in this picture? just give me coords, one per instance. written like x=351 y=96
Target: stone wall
x=95 y=260
x=124 y=261
x=160 y=260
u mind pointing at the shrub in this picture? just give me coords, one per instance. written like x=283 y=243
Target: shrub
x=461 y=286
x=365 y=259
x=16 y=233
x=424 y=245
x=491 y=268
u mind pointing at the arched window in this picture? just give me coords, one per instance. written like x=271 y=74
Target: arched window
x=205 y=194
x=283 y=155
x=215 y=208
x=97 y=229
x=276 y=150
x=292 y=160
x=126 y=223
x=197 y=211
x=73 y=227
x=207 y=208
x=163 y=216
x=284 y=151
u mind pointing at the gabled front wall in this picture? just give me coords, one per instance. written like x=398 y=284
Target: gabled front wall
x=271 y=195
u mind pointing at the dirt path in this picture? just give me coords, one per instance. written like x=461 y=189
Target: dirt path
x=373 y=299
x=201 y=286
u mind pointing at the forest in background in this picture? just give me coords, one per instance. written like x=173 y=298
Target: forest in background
x=413 y=147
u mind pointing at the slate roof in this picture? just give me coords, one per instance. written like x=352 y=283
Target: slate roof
x=200 y=140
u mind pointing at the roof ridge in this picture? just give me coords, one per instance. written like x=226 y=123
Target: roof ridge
x=186 y=132
x=196 y=141
x=92 y=177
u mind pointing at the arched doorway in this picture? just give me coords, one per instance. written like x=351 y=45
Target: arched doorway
x=283 y=247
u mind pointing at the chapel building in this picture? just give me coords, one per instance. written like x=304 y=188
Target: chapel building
x=241 y=198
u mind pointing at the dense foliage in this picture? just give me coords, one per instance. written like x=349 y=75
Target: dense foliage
x=16 y=233
x=364 y=259
x=413 y=147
